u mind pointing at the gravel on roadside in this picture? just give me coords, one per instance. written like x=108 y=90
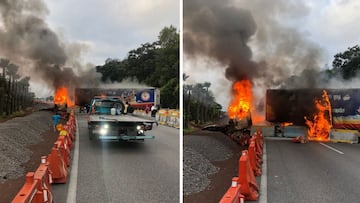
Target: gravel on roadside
x=200 y=150
x=15 y=137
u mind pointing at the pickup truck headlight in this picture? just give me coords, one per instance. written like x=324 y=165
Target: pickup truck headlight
x=104 y=129
x=140 y=129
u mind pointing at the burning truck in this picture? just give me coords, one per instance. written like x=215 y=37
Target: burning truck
x=239 y=113
x=62 y=100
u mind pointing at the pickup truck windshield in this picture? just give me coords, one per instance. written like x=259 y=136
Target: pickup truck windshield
x=104 y=107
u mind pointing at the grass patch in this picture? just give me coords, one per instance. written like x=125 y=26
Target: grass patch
x=18 y=114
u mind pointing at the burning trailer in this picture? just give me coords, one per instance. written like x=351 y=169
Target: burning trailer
x=328 y=114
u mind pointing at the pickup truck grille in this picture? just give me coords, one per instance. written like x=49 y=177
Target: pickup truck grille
x=122 y=131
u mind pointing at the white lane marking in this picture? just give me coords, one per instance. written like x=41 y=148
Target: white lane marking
x=71 y=194
x=263 y=179
x=332 y=148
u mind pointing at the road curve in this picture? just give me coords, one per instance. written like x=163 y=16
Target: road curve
x=111 y=171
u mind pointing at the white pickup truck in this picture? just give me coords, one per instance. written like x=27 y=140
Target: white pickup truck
x=110 y=118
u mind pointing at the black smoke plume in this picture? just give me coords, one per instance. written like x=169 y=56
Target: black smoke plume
x=224 y=30
x=26 y=38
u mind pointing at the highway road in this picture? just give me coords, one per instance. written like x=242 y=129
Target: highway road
x=312 y=172
x=111 y=171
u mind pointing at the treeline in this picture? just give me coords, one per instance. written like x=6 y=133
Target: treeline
x=154 y=64
x=199 y=104
x=14 y=92
x=346 y=64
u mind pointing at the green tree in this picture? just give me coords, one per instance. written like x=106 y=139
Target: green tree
x=347 y=63
x=24 y=92
x=3 y=85
x=186 y=101
x=170 y=94
x=206 y=101
x=12 y=90
x=155 y=64
x=199 y=103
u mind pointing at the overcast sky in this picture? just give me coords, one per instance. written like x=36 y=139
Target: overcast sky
x=111 y=27
x=329 y=25
x=107 y=28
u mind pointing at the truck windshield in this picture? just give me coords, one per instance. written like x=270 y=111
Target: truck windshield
x=104 y=107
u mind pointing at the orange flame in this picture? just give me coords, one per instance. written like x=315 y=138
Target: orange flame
x=287 y=124
x=62 y=97
x=258 y=118
x=240 y=105
x=319 y=128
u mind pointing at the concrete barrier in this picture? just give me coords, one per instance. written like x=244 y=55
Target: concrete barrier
x=294 y=131
x=348 y=136
x=267 y=130
x=168 y=117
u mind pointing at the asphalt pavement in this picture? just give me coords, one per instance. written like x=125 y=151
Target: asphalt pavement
x=312 y=172
x=111 y=171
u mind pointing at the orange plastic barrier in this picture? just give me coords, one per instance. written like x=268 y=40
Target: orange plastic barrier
x=258 y=144
x=249 y=187
x=233 y=194
x=255 y=165
x=37 y=187
x=57 y=164
x=65 y=133
x=64 y=149
x=259 y=137
x=258 y=149
x=28 y=191
x=42 y=174
x=72 y=119
x=71 y=130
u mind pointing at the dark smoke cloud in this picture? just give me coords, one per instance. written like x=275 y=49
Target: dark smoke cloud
x=224 y=30
x=219 y=31
x=25 y=37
